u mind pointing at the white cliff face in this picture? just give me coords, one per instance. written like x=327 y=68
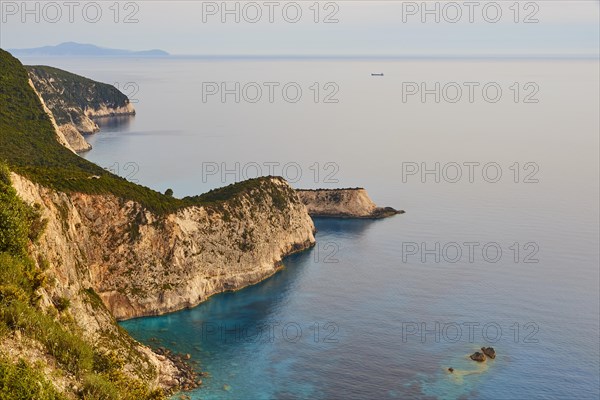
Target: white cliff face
x=343 y=203
x=74 y=107
x=75 y=139
x=85 y=125
x=351 y=202
x=104 y=111
x=62 y=247
x=143 y=264
x=60 y=137
x=66 y=134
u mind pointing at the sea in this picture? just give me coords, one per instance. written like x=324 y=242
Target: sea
x=494 y=160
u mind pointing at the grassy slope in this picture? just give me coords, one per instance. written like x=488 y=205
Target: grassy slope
x=29 y=147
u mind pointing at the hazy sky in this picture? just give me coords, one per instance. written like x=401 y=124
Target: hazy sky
x=267 y=27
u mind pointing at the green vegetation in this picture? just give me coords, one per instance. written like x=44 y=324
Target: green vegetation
x=61 y=303
x=74 y=93
x=28 y=144
x=22 y=382
x=20 y=279
x=29 y=147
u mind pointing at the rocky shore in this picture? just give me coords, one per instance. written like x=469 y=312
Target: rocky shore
x=187 y=378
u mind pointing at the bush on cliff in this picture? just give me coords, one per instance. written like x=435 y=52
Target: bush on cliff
x=20 y=279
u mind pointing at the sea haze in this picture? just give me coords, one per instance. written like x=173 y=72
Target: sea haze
x=339 y=316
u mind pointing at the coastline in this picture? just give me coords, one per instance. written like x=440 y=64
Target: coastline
x=277 y=267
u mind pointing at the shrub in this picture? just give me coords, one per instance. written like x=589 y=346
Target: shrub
x=96 y=387
x=21 y=382
x=19 y=222
x=20 y=277
x=61 y=303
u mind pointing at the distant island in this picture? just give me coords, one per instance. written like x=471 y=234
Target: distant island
x=85 y=50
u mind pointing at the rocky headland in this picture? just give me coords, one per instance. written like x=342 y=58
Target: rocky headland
x=75 y=102
x=343 y=203
x=107 y=249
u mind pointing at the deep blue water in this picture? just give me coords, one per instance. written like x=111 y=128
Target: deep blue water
x=360 y=286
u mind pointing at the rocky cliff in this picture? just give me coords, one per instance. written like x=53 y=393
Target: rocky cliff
x=76 y=101
x=108 y=249
x=140 y=263
x=343 y=203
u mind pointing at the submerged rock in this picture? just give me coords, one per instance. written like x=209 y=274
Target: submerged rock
x=477 y=356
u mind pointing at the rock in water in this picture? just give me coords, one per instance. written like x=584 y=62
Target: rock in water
x=451 y=370
x=477 y=356
x=489 y=351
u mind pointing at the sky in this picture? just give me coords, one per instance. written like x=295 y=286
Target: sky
x=310 y=27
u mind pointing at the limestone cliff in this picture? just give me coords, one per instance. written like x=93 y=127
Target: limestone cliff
x=76 y=101
x=111 y=249
x=60 y=136
x=144 y=264
x=74 y=138
x=343 y=203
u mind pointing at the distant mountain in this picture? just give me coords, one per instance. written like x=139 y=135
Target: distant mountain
x=85 y=50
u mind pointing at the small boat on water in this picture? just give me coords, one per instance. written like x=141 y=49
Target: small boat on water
x=377 y=74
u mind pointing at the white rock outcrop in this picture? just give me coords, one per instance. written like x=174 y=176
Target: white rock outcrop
x=343 y=203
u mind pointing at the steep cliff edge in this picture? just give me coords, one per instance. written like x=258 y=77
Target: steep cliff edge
x=53 y=322
x=343 y=203
x=57 y=338
x=112 y=249
x=141 y=263
x=75 y=101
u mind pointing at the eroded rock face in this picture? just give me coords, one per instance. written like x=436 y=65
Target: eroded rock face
x=343 y=203
x=143 y=264
x=104 y=110
x=60 y=137
x=75 y=102
x=63 y=249
x=75 y=139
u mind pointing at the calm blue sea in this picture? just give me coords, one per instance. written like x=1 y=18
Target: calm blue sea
x=507 y=257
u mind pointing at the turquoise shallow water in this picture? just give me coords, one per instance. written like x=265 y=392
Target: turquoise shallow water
x=375 y=310
x=361 y=301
